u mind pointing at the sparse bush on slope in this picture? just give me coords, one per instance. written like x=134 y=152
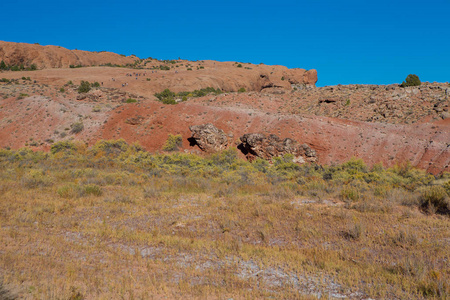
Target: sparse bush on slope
x=411 y=80
x=85 y=87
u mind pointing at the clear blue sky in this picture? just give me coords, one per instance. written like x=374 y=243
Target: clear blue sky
x=376 y=42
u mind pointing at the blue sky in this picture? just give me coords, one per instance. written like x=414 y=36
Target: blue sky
x=376 y=42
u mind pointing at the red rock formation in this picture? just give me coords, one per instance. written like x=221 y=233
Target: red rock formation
x=56 y=57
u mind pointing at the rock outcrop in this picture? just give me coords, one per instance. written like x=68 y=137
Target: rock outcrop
x=57 y=57
x=209 y=138
x=267 y=147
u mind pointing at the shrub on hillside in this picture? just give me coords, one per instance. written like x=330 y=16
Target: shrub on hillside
x=166 y=97
x=63 y=146
x=85 y=87
x=435 y=199
x=411 y=80
x=77 y=127
x=110 y=147
x=173 y=143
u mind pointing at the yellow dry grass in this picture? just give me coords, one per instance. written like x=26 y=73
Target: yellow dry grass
x=138 y=236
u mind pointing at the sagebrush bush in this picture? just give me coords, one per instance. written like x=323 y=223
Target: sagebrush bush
x=173 y=143
x=77 y=127
x=434 y=199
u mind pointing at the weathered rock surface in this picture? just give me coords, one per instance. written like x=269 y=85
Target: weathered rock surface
x=209 y=138
x=267 y=147
x=57 y=57
x=227 y=76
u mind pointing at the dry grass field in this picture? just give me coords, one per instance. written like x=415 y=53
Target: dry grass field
x=116 y=222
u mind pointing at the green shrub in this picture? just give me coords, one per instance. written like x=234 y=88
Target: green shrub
x=95 y=84
x=77 y=127
x=349 y=193
x=67 y=191
x=72 y=190
x=447 y=187
x=239 y=66
x=63 y=146
x=411 y=80
x=241 y=90
x=85 y=87
x=173 y=143
x=36 y=178
x=435 y=199
x=110 y=147
x=91 y=189
x=166 y=97
x=3 y=66
x=131 y=100
x=21 y=96
x=62 y=90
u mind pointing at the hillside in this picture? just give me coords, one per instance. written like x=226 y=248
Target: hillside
x=45 y=57
x=128 y=178
x=386 y=124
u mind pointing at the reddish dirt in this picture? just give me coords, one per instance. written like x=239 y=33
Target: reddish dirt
x=384 y=124
x=56 y=57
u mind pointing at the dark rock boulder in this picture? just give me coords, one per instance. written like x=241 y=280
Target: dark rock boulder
x=208 y=137
x=266 y=147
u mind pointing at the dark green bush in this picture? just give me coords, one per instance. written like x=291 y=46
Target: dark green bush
x=77 y=127
x=85 y=87
x=166 y=97
x=411 y=80
x=131 y=100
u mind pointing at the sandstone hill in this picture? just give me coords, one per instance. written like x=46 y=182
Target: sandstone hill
x=228 y=76
x=386 y=124
x=56 y=57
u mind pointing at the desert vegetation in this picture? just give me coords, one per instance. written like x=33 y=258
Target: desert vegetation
x=113 y=220
x=411 y=80
x=169 y=97
x=20 y=67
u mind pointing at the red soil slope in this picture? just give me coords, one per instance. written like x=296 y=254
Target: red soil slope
x=376 y=123
x=56 y=57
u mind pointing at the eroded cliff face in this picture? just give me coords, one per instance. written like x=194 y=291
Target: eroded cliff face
x=386 y=124
x=45 y=57
x=179 y=75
